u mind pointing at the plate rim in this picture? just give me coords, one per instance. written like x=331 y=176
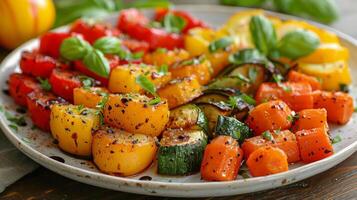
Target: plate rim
x=63 y=168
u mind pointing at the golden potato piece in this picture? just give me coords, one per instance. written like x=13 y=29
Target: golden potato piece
x=121 y=153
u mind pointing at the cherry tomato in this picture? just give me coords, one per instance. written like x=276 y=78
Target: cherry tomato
x=92 y=32
x=136 y=45
x=50 y=43
x=63 y=82
x=135 y=24
x=39 y=106
x=20 y=85
x=36 y=64
x=191 y=22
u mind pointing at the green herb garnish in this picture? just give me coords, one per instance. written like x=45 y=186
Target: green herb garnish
x=278 y=79
x=252 y=74
x=220 y=44
x=13 y=127
x=100 y=106
x=344 y=88
x=148 y=86
x=173 y=24
x=336 y=139
x=267 y=135
x=263 y=34
x=18 y=120
x=163 y=69
x=45 y=84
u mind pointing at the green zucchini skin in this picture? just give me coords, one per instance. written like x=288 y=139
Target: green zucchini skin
x=232 y=127
x=188 y=116
x=181 y=152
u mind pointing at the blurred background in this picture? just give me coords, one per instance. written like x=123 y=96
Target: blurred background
x=25 y=19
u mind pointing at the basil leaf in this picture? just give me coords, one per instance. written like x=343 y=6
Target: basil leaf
x=163 y=69
x=173 y=23
x=220 y=44
x=45 y=85
x=324 y=11
x=263 y=34
x=246 y=56
x=298 y=43
x=146 y=84
x=74 y=48
x=108 y=45
x=96 y=62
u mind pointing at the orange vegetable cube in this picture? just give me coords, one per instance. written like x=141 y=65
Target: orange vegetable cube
x=273 y=115
x=311 y=118
x=314 y=144
x=339 y=105
x=295 y=76
x=267 y=160
x=284 y=140
x=221 y=160
x=180 y=91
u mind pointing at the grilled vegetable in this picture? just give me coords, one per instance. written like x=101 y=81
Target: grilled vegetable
x=135 y=113
x=331 y=74
x=35 y=64
x=188 y=116
x=63 y=83
x=222 y=159
x=181 y=151
x=273 y=115
x=314 y=144
x=20 y=86
x=180 y=91
x=245 y=77
x=232 y=127
x=39 y=106
x=120 y=153
x=50 y=43
x=284 y=140
x=298 y=95
x=267 y=160
x=163 y=56
x=295 y=76
x=123 y=78
x=89 y=97
x=197 y=67
x=339 y=105
x=72 y=126
x=311 y=118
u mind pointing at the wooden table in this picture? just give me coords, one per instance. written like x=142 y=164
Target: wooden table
x=339 y=182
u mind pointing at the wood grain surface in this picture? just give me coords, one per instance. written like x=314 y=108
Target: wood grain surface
x=339 y=182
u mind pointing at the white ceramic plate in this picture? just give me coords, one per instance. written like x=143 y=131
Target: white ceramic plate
x=39 y=145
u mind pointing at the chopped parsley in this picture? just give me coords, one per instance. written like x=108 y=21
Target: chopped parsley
x=344 y=88
x=267 y=135
x=220 y=44
x=277 y=131
x=100 y=106
x=161 y=50
x=17 y=120
x=293 y=117
x=278 y=78
x=86 y=81
x=336 y=139
x=13 y=127
x=45 y=85
x=163 y=69
x=154 y=101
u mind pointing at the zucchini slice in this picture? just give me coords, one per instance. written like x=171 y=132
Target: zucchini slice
x=212 y=111
x=188 y=116
x=181 y=151
x=232 y=127
x=245 y=77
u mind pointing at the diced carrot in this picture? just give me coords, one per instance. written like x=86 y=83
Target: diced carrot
x=267 y=160
x=273 y=115
x=221 y=160
x=311 y=118
x=284 y=140
x=298 y=95
x=339 y=105
x=314 y=144
x=295 y=76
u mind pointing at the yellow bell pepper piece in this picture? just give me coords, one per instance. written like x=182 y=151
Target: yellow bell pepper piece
x=326 y=53
x=331 y=74
x=24 y=19
x=291 y=25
